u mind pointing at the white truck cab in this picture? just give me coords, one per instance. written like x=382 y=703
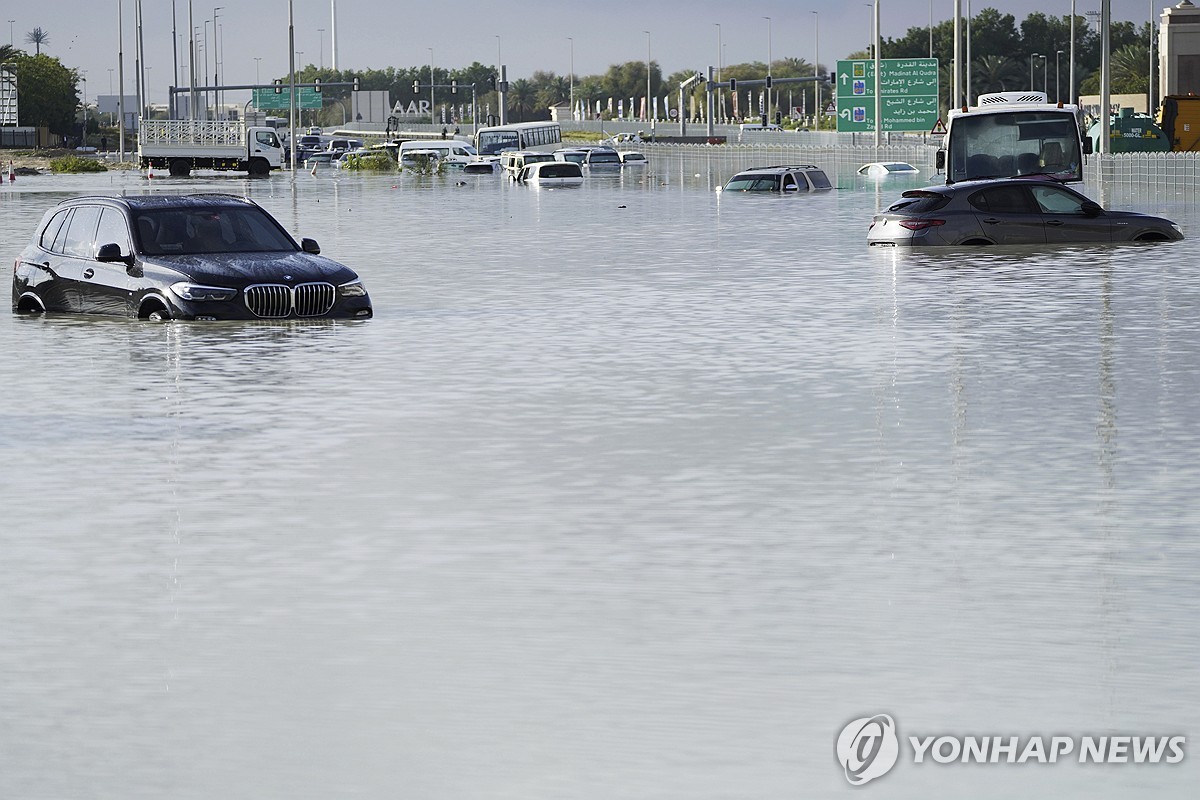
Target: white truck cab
x=1013 y=133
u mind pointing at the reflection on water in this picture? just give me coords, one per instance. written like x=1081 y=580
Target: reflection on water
x=632 y=489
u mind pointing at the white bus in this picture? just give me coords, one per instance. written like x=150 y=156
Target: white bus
x=520 y=136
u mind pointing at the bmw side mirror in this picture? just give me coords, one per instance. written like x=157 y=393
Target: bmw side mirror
x=1091 y=208
x=310 y=246
x=111 y=252
x=1087 y=145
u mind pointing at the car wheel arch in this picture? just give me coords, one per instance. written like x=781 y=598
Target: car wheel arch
x=151 y=303
x=29 y=303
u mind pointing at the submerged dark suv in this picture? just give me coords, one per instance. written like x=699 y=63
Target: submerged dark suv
x=205 y=257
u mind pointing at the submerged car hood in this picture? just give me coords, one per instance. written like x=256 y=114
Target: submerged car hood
x=244 y=269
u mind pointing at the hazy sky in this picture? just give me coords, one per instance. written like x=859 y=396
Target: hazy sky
x=526 y=36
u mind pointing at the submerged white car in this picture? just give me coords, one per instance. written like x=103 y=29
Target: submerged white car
x=882 y=169
x=551 y=173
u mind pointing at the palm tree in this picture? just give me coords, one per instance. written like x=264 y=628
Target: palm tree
x=8 y=53
x=997 y=74
x=1131 y=68
x=521 y=98
x=37 y=37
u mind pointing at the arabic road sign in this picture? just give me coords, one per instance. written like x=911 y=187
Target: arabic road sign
x=908 y=89
x=306 y=97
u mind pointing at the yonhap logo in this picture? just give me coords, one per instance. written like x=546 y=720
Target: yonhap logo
x=867 y=748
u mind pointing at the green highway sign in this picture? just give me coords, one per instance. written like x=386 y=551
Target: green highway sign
x=306 y=97
x=908 y=91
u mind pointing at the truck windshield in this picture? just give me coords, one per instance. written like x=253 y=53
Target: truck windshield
x=1010 y=143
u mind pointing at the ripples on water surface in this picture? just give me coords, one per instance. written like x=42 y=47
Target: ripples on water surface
x=628 y=491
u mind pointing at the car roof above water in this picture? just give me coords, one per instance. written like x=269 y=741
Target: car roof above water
x=149 y=201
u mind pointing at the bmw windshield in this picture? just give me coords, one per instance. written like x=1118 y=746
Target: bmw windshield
x=211 y=229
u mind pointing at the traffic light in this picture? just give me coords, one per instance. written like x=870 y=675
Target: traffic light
x=278 y=85
x=768 y=81
x=317 y=87
x=454 y=86
x=733 y=84
x=492 y=82
x=778 y=117
x=416 y=87
x=356 y=83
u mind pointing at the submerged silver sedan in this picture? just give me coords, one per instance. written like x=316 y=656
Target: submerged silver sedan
x=1009 y=211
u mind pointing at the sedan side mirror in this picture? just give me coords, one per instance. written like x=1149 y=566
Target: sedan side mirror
x=940 y=160
x=111 y=252
x=310 y=246
x=1091 y=208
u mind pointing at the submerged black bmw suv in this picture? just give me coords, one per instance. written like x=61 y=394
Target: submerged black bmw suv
x=206 y=257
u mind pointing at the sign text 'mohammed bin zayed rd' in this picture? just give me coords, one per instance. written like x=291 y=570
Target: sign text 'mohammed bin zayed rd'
x=908 y=89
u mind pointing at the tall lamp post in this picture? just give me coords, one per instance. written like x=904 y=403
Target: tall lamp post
x=216 y=63
x=1150 y=82
x=1057 y=89
x=816 y=70
x=1045 y=80
x=321 y=48
x=648 y=77
x=431 y=109
x=1032 y=56
x=768 y=98
x=572 y=74
x=720 y=97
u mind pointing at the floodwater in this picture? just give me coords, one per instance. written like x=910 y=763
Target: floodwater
x=628 y=491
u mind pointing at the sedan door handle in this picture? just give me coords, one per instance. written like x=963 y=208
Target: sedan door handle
x=992 y=221
x=88 y=273
x=1055 y=222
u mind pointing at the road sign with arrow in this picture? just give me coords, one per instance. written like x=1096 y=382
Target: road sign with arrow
x=908 y=94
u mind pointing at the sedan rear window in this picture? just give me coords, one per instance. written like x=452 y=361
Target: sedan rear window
x=186 y=231
x=920 y=202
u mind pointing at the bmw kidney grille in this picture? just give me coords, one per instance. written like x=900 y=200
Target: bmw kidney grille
x=275 y=301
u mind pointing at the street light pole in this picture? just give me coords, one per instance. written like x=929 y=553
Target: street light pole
x=321 y=48
x=572 y=74
x=121 y=79
x=816 y=70
x=1057 y=88
x=648 y=77
x=257 y=74
x=720 y=95
x=1045 y=81
x=1032 y=56
x=216 y=64
x=768 y=97
x=430 y=85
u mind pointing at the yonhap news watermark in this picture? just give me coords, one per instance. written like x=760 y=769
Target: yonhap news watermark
x=869 y=747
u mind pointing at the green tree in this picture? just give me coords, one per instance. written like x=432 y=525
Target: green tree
x=9 y=53
x=996 y=73
x=46 y=92
x=37 y=37
x=521 y=99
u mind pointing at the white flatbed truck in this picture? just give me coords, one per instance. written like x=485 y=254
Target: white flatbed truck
x=182 y=145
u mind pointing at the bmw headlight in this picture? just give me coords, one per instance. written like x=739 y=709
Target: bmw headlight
x=352 y=289
x=198 y=293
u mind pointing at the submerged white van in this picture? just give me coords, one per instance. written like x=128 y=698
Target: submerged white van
x=451 y=152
